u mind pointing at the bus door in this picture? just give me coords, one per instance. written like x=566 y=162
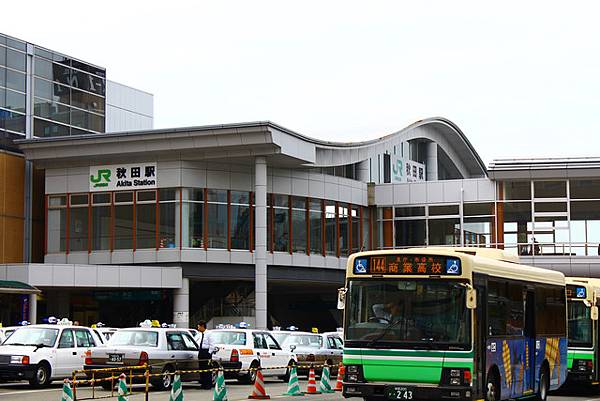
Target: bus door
x=480 y=323
x=530 y=342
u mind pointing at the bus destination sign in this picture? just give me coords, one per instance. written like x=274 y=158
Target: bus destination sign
x=426 y=265
x=576 y=291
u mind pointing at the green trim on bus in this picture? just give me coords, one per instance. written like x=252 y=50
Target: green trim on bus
x=578 y=354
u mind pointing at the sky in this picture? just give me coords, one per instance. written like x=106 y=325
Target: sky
x=519 y=78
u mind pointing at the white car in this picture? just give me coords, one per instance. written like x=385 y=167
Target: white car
x=5 y=332
x=238 y=351
x=104 y=333
x=45 y=352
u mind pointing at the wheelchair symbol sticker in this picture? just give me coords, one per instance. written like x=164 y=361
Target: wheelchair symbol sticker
x=452 y=266
x=580 y=292
x=360 y=266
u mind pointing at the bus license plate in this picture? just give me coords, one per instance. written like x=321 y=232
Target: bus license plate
x=115 y=358
x=399 y=393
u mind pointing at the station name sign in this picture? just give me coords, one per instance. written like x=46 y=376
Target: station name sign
x=119 y=177
x=577 y=292
x=426 y=265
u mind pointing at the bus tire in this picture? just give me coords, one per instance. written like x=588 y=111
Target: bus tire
x=492 y=387
x=542 y=395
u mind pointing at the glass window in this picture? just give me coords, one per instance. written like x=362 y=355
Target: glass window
x=584 y=189
x=2 y=96
x=217 y=219
x=15 y=101
x=84 y=339
x=366 y=216
x=169 y=214
x=17 y=44
x=443 y=210
x=78 y=223
x=550 y=189
x=281 y=224
x=100 y=228
x=240 y=227
x=43 y=68
x=394 y=312
x=316 y=228
x=195 y=211
x=39 y=51
x=52 y=91
x=518 y=225
x=15 y=59
x=168 y=194
x=61 y=74
x=123 y=229
x=544 y=207
x=580 y=324
x=478 y=209
x=57 y=227
x=12 y=121
x=409 y=232
x=15 y=80
x=478 y=231
x=517 y=190
x=505 y=308
x=66 y=339
x=330 y=229
x=42 y=128
x=57 y=200
x=53 y=111
x=585 y=227
x=145 y=225
x=123 y=197
x=344 y=232
x=79 y=199
x=298 y=224
x=550 y=311
x=2 y=55
x=444 y=232
x=410 y=211
x=385 y=229
x=355 y=221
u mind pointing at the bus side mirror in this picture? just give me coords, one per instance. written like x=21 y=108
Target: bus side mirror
x=594 y=312
x=471 y=298
x=341 y=303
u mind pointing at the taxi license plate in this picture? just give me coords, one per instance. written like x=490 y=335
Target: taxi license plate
x=399 y=393
x=115 y=358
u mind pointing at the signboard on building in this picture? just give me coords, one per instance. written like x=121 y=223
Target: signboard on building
x=404 y=170
x=119 y=177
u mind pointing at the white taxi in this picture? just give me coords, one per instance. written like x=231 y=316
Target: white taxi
x=44 y=352
x=241 y=351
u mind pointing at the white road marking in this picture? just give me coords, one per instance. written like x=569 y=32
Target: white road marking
x=31 y=391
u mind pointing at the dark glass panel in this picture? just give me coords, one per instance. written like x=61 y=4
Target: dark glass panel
x=240 y=227
x=169 y=214
x=443 y=210
x=12 y=121
x=87 y=101
x=14 y=101
x=410 y=211
x=43 y=68
x=61 y=74
x=78 y=229
x=145 y=226
x=42 y=128
x=101 y=228
x=517 y=190
x=217 y=226
x=15 y=80
x=123 y=231
x=50 y=110
x=17 y=44
x=409 y=232
x=2 y=55
x=38 y=51
x=217 y=195
x=15 y=59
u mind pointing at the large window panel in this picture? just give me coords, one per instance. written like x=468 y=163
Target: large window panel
x=330 y=229
x=57 y=224
x=12 y=121
x=43 y=128
x=550 y=189
x=15 y=59
x=366 y=219
x=217 y=219
x=477 y=231
x=15 y=80
x=316 y=229
x=169 y=213
x=15 y=101
x=584 y=189
x=410 y=233
x=281 y=224
x=444 y=232
x=344 y=233
x=585 y=227
x=123 y=225
x=51 y=110
x=101 y=218
x=518 y=225
x=356 y=234
x=385 y=228
x=193 y=213
x=298 y=224
x=78 y=223
x=240 y=220
x=517 y=190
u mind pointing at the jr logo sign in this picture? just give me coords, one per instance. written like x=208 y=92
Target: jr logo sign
x=101 y=180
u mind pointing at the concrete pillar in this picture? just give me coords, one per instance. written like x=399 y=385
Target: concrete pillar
x=33 y=308
x=431 y=163
x=362 y=171
x=181 y=304
x=260 y=240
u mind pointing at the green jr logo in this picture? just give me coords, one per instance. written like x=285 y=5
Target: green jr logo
x=102 y=179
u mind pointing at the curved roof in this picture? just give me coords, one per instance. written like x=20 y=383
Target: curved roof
x=254 y=138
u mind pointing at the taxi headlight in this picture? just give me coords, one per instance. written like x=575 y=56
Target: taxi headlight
x=19 y=359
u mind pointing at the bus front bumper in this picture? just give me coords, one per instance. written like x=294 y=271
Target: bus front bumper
x=385 y=392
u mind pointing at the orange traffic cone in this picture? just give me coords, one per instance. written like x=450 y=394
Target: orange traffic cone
x=312 y=383
x=259 y=392
x=340 y=377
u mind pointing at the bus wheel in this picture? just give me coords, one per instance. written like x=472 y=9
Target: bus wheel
x=492 y=387
x=544 y=384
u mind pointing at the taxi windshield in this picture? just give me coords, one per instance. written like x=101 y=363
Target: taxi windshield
x=304 y=340
x=134 y=338
x=421 y=313
x=35 y=336
x=228 y=337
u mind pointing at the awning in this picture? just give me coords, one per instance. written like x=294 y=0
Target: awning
x=17 y=287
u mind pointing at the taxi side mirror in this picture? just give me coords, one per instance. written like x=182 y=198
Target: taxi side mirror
x=594 y=312
x=292 y=348
x=471 y=298
x=341 y=303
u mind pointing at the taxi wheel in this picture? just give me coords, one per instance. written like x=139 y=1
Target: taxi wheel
x=41 y=377
x=164 y=381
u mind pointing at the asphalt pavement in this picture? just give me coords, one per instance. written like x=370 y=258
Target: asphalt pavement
x=235 y=391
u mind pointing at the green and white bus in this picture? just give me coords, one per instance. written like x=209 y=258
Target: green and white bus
x=451 y=323
x=582 y=314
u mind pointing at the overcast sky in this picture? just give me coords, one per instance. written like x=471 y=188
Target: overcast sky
x=519 y=78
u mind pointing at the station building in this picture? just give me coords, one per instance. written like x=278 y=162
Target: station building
x=254 y=222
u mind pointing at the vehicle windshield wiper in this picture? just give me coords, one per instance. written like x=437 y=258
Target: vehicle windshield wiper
x=386 y=329
x=38 y=346
x=18 y=344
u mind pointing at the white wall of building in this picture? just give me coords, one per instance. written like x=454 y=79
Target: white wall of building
x=128 y=109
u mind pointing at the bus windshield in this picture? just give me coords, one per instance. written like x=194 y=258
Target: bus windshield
x=425 y=313
x=580 y=324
